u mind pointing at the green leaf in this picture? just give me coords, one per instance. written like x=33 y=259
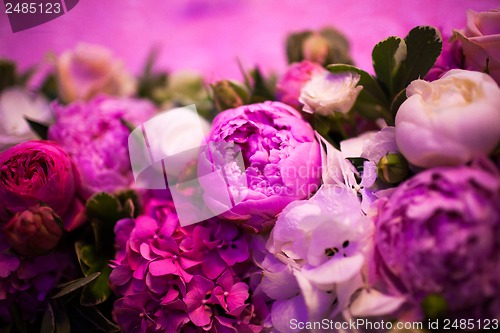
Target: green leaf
x=7 y=74
x=424 y=44
x=20 y=324
x=91 y=261
x=131 y=127
x=93 y=316
x=98 y=290
x=48 y=321
x=129 y=197
x=397 y=101
x=261 y=90
x=76 y=284
x=294 y=43
x=387 y=58
x=40 y=129
x=62 y=321
x=103 y=206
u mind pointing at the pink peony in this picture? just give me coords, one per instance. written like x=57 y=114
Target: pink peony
x=281 y=156
x=97 y=140
x=481 y=42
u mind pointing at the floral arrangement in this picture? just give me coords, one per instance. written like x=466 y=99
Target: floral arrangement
x=357 y=200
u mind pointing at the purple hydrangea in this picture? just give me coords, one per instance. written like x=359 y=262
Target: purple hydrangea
x=439 y=233
x=281 y=158
x=95 y=136
x=26 y=282
x=173 y=279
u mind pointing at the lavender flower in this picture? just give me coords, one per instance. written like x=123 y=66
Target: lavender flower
x=96 y=138
x=439 y=233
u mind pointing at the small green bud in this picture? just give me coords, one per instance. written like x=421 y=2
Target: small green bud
x=393 y=168
x=228 y=95
x=434 y=306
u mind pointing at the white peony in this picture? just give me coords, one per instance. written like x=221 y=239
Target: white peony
x=327 y=93
x=15 y=104
x=449 y=121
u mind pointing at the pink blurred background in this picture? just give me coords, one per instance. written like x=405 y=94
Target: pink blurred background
x=208 y=35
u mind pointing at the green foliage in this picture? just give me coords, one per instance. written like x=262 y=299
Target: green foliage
x=396 y=62
x=41 y=130
x=7 y=74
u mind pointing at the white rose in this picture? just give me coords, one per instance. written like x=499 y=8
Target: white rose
x=15 y=104
x=449 y=121
x=327 y=93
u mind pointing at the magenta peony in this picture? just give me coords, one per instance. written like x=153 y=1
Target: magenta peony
x=281 y=157
x=439 y=233
x=97 y=140
x=37 y=172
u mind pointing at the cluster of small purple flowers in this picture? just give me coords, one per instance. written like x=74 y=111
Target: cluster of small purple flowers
x=172 y=278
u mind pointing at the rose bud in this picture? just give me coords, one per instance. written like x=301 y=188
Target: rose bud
x=228 y=95
x=393 y=168
x=34 y=232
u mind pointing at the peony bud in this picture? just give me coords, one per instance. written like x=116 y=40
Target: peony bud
x=393 y=168
x=34 y=232
x=228 y=95
x=315 y=48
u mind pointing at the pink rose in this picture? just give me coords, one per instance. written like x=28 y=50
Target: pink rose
x=37 y=172
x=481 y=42
x=33 y=232
x=295 y=78
x=89 y=70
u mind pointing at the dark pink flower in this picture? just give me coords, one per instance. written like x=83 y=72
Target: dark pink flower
x=36 y=172
x=295 y=78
